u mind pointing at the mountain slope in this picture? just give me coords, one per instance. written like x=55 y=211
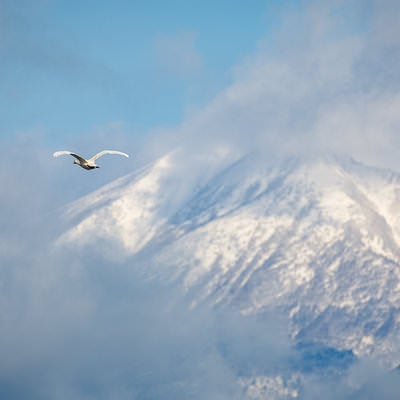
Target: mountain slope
x=317 y=239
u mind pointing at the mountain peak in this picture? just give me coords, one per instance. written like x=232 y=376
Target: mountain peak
x=316 y=238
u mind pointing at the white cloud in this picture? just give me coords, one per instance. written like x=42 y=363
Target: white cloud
x=329 y=80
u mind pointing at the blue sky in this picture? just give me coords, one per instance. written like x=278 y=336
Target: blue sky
x=147 y=77
x=87 y=75
x=71 y=67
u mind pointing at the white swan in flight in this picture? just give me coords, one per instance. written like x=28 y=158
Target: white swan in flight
x=91 y=162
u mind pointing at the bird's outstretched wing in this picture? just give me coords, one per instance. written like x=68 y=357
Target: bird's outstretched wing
x=63 y=152
x=98 y=155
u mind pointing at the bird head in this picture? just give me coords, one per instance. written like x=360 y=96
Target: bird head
x=76 y=162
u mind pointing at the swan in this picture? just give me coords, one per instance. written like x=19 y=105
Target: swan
x=91 y=162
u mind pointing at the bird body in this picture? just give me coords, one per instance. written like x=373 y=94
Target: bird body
x=88 y=163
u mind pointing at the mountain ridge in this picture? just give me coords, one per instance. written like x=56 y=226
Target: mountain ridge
x=316 y=238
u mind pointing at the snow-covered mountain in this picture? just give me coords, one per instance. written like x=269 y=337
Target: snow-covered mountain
x=315 y=237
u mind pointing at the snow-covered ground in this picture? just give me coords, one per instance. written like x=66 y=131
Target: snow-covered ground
x=314 y=238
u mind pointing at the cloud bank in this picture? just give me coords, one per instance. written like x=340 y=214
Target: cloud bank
x=327 y=80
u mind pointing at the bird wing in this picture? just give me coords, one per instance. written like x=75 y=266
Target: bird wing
x=98 y=155
x=63 y=152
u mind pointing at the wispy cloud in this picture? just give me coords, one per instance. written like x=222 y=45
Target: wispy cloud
x=178 y=55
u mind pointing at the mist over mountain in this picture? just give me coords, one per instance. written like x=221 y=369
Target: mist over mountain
x=250 y=251
x=312 y=239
